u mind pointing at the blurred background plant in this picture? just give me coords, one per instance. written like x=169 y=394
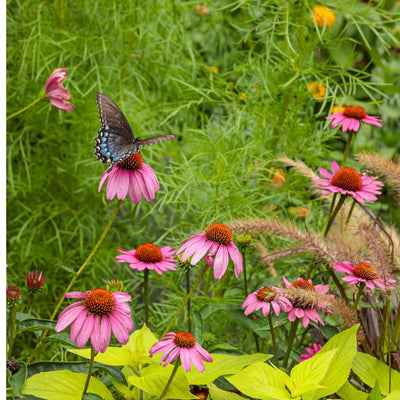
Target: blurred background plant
x=241 y=84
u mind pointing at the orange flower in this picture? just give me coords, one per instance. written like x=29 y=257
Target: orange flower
x=214 y=69
x=338 y=109
x=277 y=176
x=318 y=90
x=323 y=16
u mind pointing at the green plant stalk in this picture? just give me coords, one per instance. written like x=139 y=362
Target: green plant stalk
x=334 y=213
x=276 y=134
x=273 y=337
x=350 y=212
x=183 y=304
x=358 y=297
x=385 y=348
x=75 y=277
x=146 y=296
x=12 y=322
x=188 y=302
x=246 y=290
x=347 y=148
x=41 y=96
x=176 y=366
x=89 y=375
x=292 y=335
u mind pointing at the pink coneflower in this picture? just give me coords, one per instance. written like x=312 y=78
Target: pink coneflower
x=131 y=176
x=216 y=241
x=184 y=345
x=311 y=352
x=13 y=293
x=306 y=301
x=265 y=298
x=350 y=118
x=33 y=282
x=95 y=316
x=56 y=92
x=149 y=256
x=349 y=182
x=363 y=272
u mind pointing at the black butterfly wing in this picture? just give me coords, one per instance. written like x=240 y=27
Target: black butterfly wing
x=115 y=139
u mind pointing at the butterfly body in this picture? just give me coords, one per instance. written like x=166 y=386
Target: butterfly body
x=115 y=140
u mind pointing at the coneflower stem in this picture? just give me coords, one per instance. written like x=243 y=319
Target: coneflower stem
x=41 y=96
x=164 y=392
x=358 y=297
x=199 y=279
x=273 y=337
x=246 y=290
x=75 y=277
x=89 y=375
x=188 y=302
x=347 y=148
x=292 y=335
x=350 y=212
x=12 y=322
x=334 y=213
x=146 y=296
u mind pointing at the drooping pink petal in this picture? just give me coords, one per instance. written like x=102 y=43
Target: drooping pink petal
x=86 y=330
x=221 y=262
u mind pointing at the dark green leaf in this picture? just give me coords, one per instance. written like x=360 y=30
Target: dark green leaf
x=69 y=269
x=197 y=326
x=35 y=324
x=17 y=380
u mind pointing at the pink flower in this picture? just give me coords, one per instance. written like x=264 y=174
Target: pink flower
x=363 y=272
x=217 y=240
x=349 y=182
x=306 y=301
x=95 y=316
x=130 y=176
x=350 y=118
x=13 y=293
x=56 y=92
x=265 y=298
x=183 y=345
x=33 y=282
x=149 y=256
x=311 y=352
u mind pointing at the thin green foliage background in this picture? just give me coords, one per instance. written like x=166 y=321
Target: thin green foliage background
x=153 y=58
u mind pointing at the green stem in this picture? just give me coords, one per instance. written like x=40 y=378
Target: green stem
x=89 y=375
x=358 y=297
x=41 y=96
x=177 y=364
x=347 y=148
x=188 y=302
x=273 y=337
x=30 y=304
x=199 y=279
x=146 y=296
x=277 y=134
x=333 y=216
x=292 y=335
x=75 y=277
x=350 y=212
x=12 y=322
x=246 y=290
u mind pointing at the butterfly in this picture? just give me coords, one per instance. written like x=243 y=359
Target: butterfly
x=115 y=140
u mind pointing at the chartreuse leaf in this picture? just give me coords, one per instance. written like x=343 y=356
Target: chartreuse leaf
x=135 y=352
x=260 y=381
x=345 y=344
x=393 y=395
x=310 y=374
x=370 y=370
x=154 y=378
x=50 y=385
x=123 y=389
x=218 y=394
x=349 y=392
x=375 y=392
x=223 y=364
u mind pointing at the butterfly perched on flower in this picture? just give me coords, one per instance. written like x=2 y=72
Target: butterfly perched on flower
x=115 y=140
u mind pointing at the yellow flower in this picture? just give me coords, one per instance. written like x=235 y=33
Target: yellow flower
x=323 y=16
x=214 y=69
x=277 y=176
x=337 y=109
x=318 y=90
x=242 y=96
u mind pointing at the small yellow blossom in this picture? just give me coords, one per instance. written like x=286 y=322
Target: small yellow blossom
x=202 y=9
x=337 y=109
x=242 y=96
x=323 y=16
x=214 y=69
x=277 y=176
x=318 y=90
x=255 y=89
